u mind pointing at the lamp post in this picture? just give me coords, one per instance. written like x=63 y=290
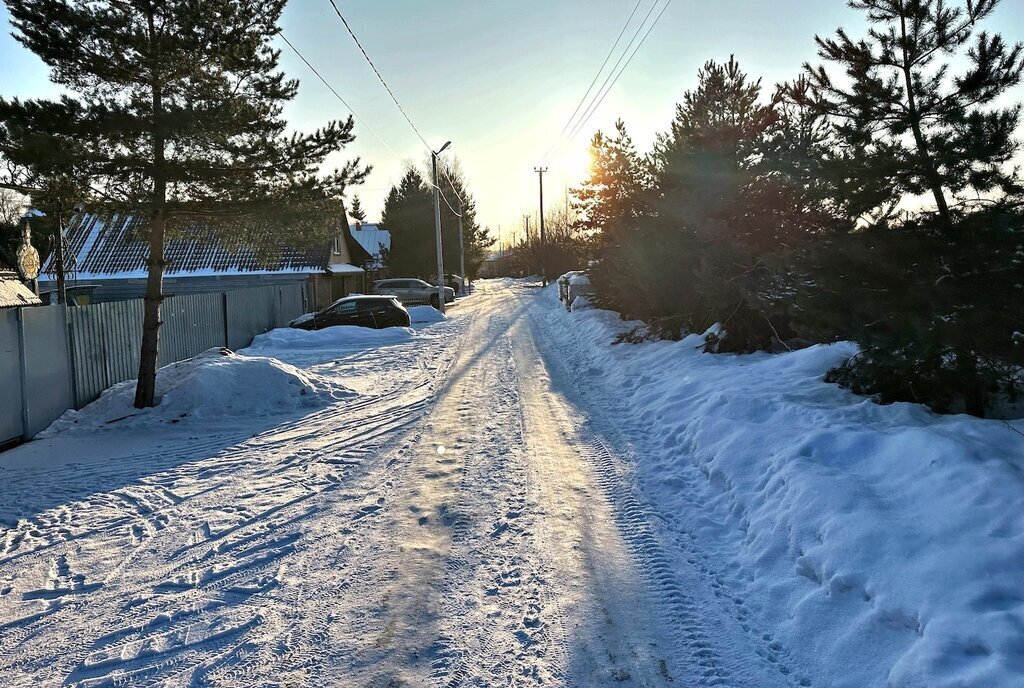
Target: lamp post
x=462 y=250
x=543 y=240
x=437 y=227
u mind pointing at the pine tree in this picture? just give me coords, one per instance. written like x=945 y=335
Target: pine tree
x=702 y=238
x=476 y=238
x=409 y=216
x=908 y=119
x=356 y=211
x=612 y=198
x=174 y=113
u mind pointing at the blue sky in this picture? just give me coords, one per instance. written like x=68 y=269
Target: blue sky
x=500 y=78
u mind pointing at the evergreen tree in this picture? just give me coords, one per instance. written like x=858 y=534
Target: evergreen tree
x=476 y=239
x=910 y=122
x=702 y=240
x=612 y=198
x=409 y=216
x=931 y=298
x=173 y=112
x=356 y=211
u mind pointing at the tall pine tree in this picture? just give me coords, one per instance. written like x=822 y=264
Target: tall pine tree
x=356 y=211
x=409 y=216
x=912 y=121
x=476 y=238
x=173 y=112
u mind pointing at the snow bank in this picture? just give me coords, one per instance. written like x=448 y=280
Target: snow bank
x=426 y=314
x=287 y=339
x=882 y=544
x=213 y=386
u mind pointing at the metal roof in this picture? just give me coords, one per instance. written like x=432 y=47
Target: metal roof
x=374 y=239
x=114 y=246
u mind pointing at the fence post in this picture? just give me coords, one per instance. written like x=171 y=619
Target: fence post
x=227 y=328
x=23 y=369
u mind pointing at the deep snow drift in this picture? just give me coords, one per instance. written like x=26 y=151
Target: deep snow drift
x=882 y=544
x=215 y=385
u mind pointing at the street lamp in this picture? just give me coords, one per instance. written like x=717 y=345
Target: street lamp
x=437 y=227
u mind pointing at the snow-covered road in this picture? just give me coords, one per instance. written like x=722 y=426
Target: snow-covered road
x=451 y=525
x=503 y=498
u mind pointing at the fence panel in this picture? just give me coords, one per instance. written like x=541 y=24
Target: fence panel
x=71 y=355
x=192 y=323
x=249 y=313
x=11 y=399
x=290 y=303
x=47 y=393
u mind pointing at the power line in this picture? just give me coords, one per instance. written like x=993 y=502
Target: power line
x=377 y=72
x=335 y=92
x=597 y=76
x=394 y=98
x=613 y=76
x=356 y=114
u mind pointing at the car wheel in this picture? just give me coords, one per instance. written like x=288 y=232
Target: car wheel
x=435 y=302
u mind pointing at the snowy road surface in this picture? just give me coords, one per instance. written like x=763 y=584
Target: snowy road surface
x=457 y=506
x=452 y=525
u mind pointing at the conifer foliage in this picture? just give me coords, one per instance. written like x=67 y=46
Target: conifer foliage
x=409 y=216
x=765 y=222
x=173 y=112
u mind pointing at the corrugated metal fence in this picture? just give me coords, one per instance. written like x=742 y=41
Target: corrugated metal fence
x=54 y=358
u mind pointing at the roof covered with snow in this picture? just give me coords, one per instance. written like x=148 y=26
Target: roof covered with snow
x=13 y=293
x=374 y=239
x=114 y=246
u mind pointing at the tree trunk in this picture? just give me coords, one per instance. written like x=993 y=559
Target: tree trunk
x=924 y=153
x=145 y=388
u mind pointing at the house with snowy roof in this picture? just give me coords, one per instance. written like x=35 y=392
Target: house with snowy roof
x=108 y=253
x=376 y=241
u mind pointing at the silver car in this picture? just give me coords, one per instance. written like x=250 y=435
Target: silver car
x=412 y=291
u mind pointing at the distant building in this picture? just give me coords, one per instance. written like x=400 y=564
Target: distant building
x=376 y=241
x=108 y=254
x=13 y=293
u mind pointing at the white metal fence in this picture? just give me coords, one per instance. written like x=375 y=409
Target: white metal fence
x=54 y=358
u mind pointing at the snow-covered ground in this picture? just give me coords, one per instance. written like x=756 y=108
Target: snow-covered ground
x=502 y=497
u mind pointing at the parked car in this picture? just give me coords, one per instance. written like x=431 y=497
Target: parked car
x=363 y=311
x=456 y=282
x=412 y=291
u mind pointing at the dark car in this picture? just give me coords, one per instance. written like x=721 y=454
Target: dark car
x=361 y=311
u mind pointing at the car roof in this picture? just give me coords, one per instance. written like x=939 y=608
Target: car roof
x=367 y=297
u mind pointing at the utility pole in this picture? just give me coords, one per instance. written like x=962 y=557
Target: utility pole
x=62 y=293
x=437 y=228
x=543 y=243
x=526 y=244
x=462 y=250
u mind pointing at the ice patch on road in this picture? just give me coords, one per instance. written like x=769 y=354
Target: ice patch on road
x=215 y=385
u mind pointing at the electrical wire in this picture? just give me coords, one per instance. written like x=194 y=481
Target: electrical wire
x=394 y=98
x=377 y=72
x=586 y=94
x=613 y=76
x=335 y=92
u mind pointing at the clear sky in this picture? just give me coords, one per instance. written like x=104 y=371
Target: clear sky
x=500 y=78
